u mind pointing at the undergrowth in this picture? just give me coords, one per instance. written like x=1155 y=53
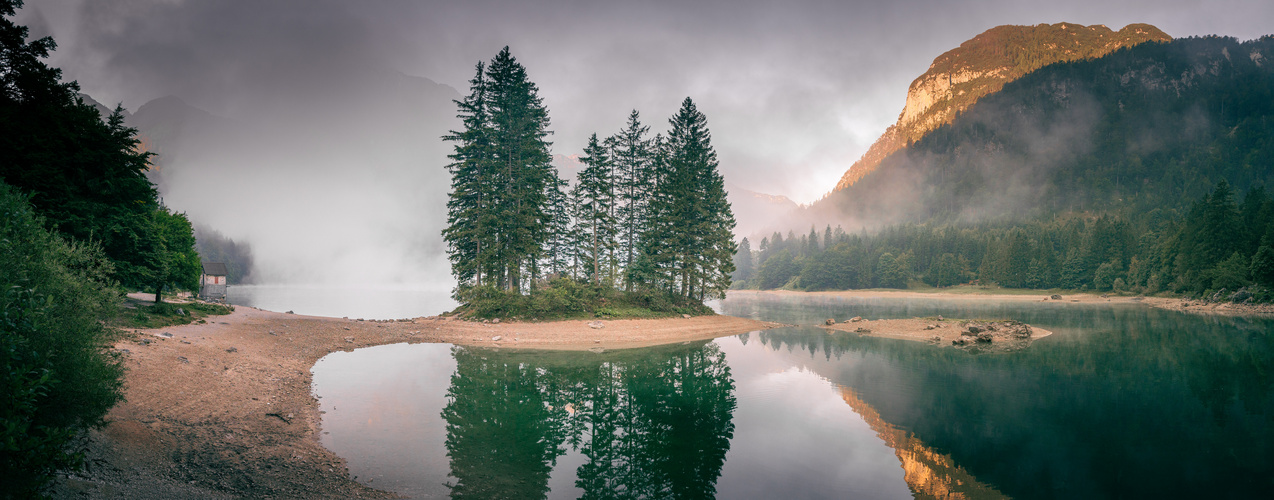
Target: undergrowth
x=565 y=298
x=142 y=315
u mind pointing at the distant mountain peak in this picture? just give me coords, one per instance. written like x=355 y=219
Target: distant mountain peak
x=982 y=65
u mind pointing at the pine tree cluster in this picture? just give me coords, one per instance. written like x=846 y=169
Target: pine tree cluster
x=646 y=214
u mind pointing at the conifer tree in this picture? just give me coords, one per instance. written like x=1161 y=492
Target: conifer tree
x=594 y=193
x=743 y=262
x=691 y=218
x=470 y=234
x=559 y=245
x=632 y=157
x=519 y=127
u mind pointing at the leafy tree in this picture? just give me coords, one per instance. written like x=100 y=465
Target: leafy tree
x=1262 y=267
x=179 y=265
x=892 y=271
x=1230 y=274
x=87 y=178
x=778 y=270
x=57 y=377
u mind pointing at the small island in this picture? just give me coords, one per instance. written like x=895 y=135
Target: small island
x=973 y=335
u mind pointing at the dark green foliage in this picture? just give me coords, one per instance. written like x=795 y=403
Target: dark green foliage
x=777 y=270
x=57 y=375
x=631 y=156
x=566 y=298
x=87 y=178
x=690 y=236
x=1149 y=253
x=892 y=272
x=656 y=425
x=502 y=179
x=178 y=263
x=594 y=197
x=1263 y=266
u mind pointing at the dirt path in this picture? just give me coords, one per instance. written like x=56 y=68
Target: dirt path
x=224 y=409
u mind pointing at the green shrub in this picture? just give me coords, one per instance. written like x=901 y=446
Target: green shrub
x=565 y=298
x=57 y=374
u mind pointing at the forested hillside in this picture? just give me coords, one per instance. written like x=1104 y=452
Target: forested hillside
x=982 y=65
x=1154 y=126
x=1143 y=170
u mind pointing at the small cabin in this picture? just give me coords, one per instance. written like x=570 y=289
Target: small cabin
x=212 y=284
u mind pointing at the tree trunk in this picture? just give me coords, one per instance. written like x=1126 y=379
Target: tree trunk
x=159 y=292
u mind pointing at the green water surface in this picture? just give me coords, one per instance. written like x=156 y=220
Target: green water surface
x=1121 y=402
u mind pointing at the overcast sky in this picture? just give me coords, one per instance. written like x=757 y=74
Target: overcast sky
x=794 y=91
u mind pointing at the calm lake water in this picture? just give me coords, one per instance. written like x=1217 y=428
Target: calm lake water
x=1122 y=401
x=367 y=301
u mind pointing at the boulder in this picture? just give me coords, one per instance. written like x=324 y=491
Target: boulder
x=861 y=330
x=829 y=322
x=685 y=316
x=985 y=337
x=974 y=329
x=855 y=319
x=1055 y=297
x=595 y=324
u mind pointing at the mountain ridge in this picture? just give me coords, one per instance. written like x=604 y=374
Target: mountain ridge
x=982 y=65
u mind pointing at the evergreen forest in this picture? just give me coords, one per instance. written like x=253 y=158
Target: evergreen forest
x=1143 y=171
x=645 y=226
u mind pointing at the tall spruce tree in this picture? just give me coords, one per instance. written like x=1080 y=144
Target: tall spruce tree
x=690 y=237
x=595 y=196
x=501 y=178
x=559 y=245
x=470 y=233
x=631 y=154
x=519 y=125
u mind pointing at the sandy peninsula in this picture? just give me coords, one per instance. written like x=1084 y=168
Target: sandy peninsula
x=224 y=409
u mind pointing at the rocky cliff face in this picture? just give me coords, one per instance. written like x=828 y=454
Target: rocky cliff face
x=982 y=65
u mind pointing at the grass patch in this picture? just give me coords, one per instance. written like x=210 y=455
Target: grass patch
x=569 y=299
x=144 y=314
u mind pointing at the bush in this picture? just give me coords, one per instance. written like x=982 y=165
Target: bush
x=57 y=376
x=564 y=298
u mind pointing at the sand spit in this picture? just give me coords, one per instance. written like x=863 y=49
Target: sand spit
x=971 y=335
x=224 y=409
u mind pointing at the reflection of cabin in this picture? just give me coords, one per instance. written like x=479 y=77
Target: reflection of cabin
x=212 y=285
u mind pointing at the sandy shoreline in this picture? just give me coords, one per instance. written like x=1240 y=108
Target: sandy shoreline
x=1172 y=304
x=224 y=409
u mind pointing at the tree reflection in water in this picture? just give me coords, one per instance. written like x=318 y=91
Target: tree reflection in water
x=655 y=423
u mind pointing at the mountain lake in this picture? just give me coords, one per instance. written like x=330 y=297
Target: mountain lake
x=1121 y=401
